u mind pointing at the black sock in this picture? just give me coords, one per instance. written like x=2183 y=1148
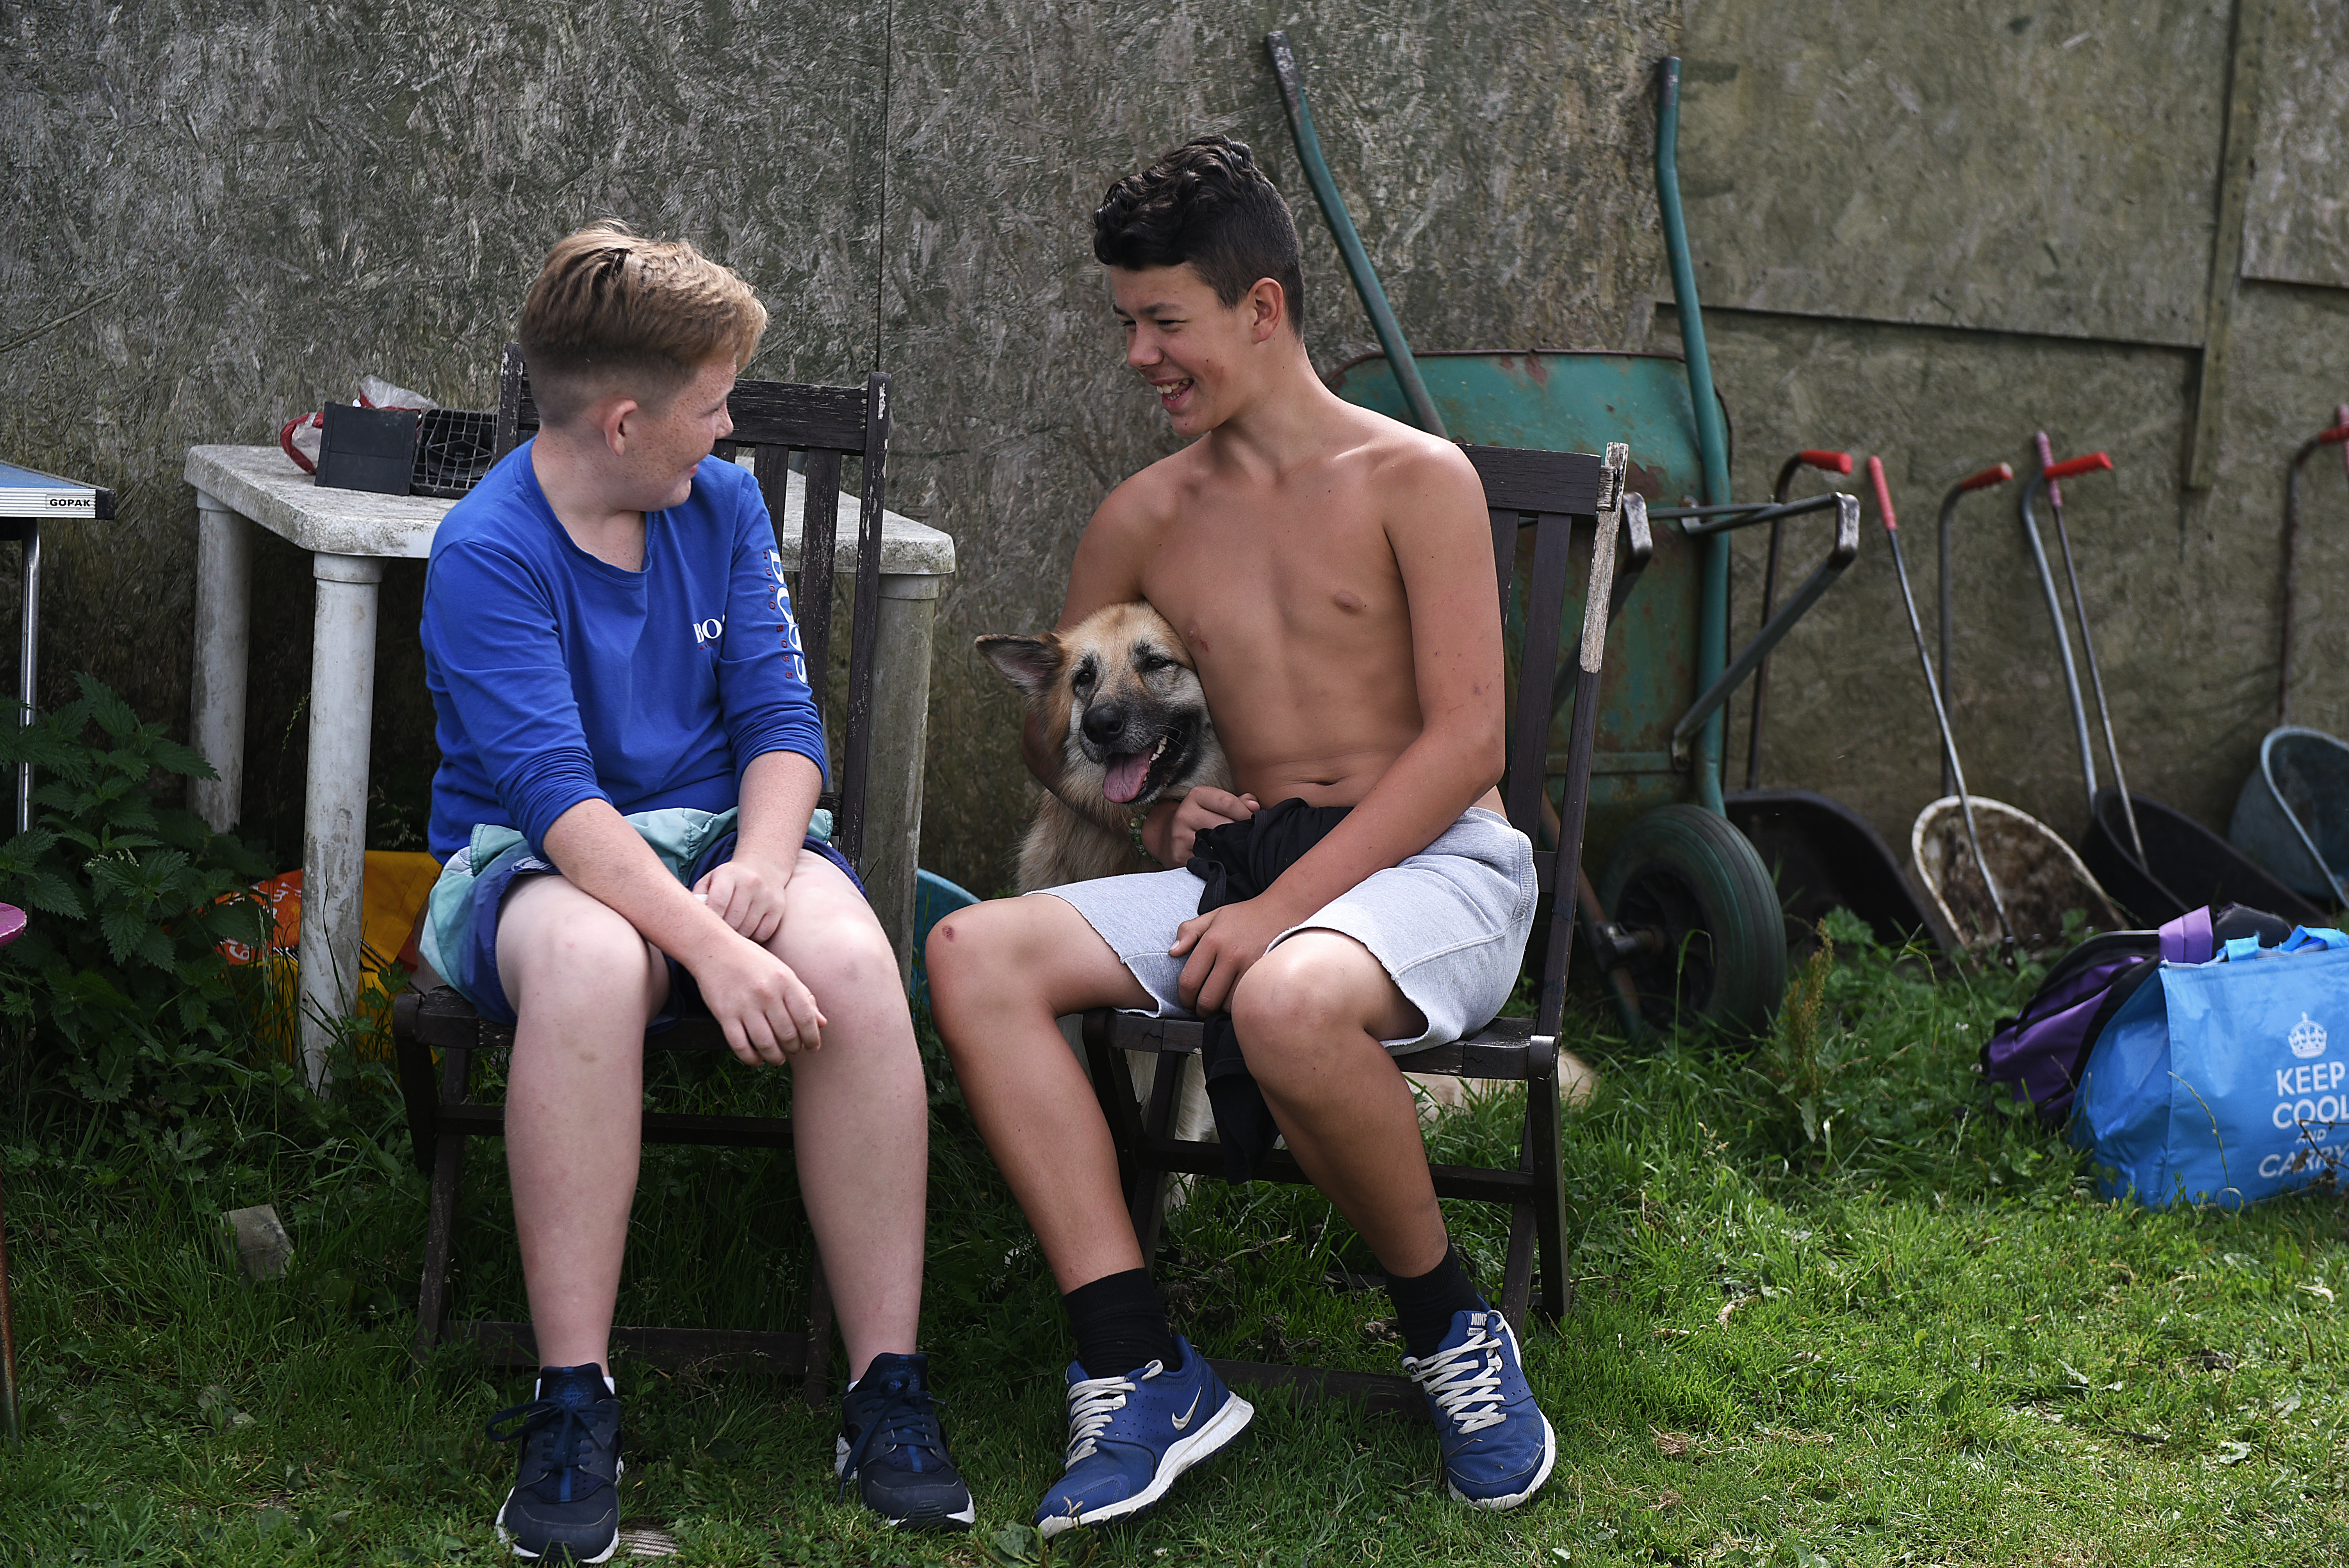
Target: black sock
x=1424 y=1305
x=1120 y=1325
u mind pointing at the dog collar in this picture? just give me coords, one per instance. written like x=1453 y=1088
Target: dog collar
x=1134 y=831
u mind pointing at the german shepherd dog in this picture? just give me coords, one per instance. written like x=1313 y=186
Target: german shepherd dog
x=1116 y=722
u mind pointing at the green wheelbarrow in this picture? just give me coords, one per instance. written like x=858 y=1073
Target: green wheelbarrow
x=1684 y=916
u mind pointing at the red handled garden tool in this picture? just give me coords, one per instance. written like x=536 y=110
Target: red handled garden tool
x=1950 y=768
x=2047 y=479
x=1996 y=874
x=2000 y=474
x=2155 y=859
x=1822 y=853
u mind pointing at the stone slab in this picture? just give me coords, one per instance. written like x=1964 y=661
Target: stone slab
x=263 y=1247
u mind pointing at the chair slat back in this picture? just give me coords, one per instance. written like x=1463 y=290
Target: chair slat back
x=1550 y=492
x=786 y=423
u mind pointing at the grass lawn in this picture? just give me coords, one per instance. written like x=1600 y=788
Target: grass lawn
x=1835 y=1307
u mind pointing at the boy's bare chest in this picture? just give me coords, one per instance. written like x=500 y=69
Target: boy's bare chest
x=1252 y=578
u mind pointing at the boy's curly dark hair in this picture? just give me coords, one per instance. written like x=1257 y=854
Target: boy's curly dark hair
x=1207 y=203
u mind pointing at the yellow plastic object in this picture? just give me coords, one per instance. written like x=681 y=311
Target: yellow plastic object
x=393 y=896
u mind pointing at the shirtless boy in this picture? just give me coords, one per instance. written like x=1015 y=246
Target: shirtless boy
x=1331 y=570
x=629 y=762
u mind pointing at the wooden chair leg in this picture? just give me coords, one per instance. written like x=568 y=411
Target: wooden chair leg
x=816 y=1377
x=1545 y=1139
x=1147 y=1198
x=439 y=1239
x=441 y=1213
x=1516 y=1277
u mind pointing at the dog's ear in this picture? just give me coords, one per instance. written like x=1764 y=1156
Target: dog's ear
x=1031 y=663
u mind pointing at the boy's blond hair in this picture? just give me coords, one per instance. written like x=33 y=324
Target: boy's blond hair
x=612 y=311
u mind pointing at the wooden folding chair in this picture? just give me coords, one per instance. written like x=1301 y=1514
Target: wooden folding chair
x=775 y=420
x=1549 y=492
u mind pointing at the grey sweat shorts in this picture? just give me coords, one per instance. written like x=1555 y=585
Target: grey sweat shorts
x=1449 y=924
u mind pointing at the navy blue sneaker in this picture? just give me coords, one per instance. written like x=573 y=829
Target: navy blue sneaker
x=891 y=1446
x=1497 y=1448
x=1131 y=1437
x=565 y=1503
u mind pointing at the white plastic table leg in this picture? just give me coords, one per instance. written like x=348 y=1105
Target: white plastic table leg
x=892 y=789
x=334 y=816
x=224 y=618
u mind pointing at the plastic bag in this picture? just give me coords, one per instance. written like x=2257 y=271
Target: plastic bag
x=2224 y=1083
x=300 y=436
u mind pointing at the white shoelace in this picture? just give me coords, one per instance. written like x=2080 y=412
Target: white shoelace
x=1092 y=1401
x=1465 y=1380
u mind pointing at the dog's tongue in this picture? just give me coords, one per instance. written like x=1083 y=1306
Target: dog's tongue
x=1125 y=777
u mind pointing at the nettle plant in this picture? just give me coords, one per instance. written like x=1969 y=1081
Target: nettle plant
x=119 y=980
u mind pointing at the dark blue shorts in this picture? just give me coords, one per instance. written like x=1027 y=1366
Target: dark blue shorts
x=478 y=956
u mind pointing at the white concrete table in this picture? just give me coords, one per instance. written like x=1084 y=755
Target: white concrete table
x=349 y=534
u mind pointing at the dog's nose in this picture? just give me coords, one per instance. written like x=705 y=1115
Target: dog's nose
x=1104 y=723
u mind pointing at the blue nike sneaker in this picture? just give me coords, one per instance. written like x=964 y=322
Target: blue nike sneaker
x=1497 y=1448
x=566 y=1502
x=1131 y=1437
x=891 y=1446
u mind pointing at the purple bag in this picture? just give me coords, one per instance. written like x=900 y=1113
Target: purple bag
x=2041 y=1050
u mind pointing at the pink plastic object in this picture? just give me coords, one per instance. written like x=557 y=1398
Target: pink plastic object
x=12 y=924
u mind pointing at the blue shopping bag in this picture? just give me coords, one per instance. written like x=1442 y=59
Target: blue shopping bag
x=2224 y=1083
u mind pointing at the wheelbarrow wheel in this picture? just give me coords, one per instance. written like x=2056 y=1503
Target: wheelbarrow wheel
x=1703 y=934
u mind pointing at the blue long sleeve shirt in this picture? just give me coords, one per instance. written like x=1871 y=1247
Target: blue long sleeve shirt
x=557 y=677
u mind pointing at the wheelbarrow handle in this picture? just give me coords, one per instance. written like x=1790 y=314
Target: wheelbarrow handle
x=2000 y=474
x=1845 y=549
x=1639 y=551
x=1632 y=558
x=1808 y=458
x=1696 y=521
x=1349 y=243
x=2333 y=437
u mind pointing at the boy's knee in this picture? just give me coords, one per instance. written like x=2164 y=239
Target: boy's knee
x=845 y=955
x=1287 y=1011
x=969 y=945
x=584 y=945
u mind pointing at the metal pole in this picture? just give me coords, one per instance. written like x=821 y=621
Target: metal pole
x=1713 y=441
x=28 y=667
x=1997 y=475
